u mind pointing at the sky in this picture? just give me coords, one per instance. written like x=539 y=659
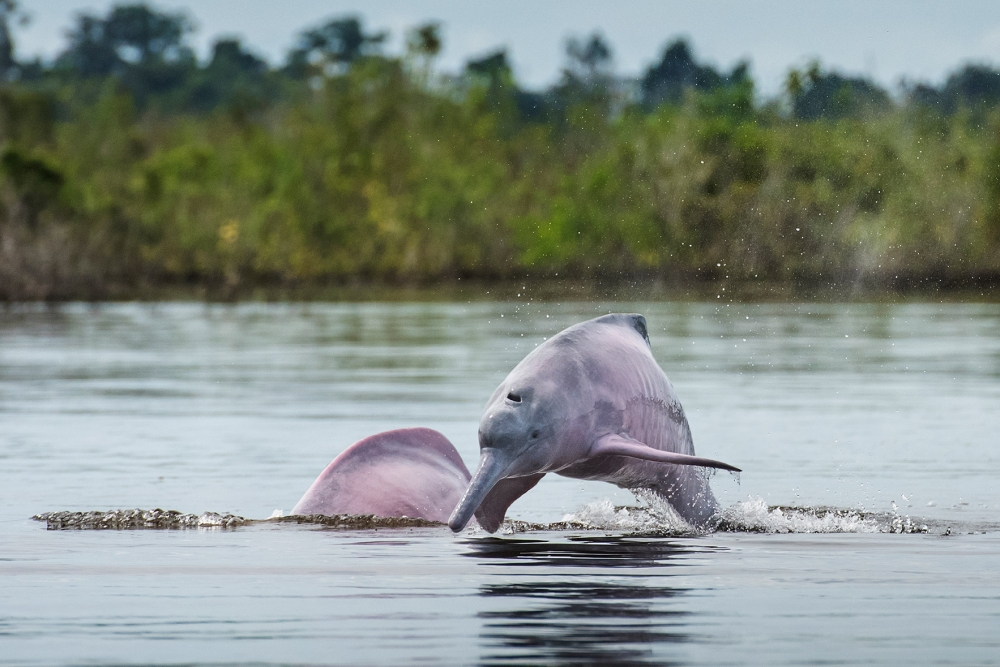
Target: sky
x=887 y=40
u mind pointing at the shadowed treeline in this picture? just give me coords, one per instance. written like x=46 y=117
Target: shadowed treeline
x=126 y=164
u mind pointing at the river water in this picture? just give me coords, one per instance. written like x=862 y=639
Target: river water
x=888 y=413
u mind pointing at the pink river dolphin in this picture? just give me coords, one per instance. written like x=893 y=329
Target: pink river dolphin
x=411 y=472
x=589 y=403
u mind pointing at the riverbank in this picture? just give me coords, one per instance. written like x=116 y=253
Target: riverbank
x=548 y=290
x=376 y=178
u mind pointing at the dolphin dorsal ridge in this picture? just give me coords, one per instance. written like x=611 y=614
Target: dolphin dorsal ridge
x=632 y=320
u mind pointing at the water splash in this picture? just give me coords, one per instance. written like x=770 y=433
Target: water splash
x=755 y=516
x=655 y=518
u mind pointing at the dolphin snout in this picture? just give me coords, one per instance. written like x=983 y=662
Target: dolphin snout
x=492 y=466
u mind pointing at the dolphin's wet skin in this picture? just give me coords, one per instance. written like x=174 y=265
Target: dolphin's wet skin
x=865 y=528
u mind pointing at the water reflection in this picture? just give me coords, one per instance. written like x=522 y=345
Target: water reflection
x=592 y=601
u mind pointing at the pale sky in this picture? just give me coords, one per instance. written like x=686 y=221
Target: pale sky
x=883 y=39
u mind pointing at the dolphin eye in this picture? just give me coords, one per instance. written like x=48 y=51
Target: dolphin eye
x=534 y=434
x=513 y=397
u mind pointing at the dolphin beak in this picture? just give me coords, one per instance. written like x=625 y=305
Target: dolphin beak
x=492 y=466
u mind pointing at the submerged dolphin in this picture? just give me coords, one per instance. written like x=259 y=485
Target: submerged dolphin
x=589 y=403
x=411 y=472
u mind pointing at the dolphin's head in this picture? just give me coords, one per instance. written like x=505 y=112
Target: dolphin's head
x=528 y=428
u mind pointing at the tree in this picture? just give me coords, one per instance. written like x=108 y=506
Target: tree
x=587 y=84
x=818 y=94
x=493 y=74
x=972 y=86
x=130 y=36
x=493 y=68
x=425 y=40
x=334 y=45
x=229 y=58
x=9 y=12
x=234 y=77
x=423 y=44
x=144 y=48
x=676 y=72
x=590 y=60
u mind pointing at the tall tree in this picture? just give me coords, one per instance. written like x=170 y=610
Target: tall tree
x=335 y=44
x=9 y=12
x=130 y=35
x=587 y=82
x=972 y=86
x=425 y=40
x=589 y=60
x=819 y=94
x=234 y=77
x=145 y=48
x=676 y=72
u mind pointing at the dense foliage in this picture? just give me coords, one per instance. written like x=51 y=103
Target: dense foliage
x=127 y=164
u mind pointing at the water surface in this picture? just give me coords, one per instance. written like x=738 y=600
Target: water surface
x=889 y=409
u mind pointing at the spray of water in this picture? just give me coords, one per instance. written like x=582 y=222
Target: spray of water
x=654 y=517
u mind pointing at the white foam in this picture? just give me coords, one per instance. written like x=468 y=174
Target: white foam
x=750 y=516
x=754 y=515
x=657 y=517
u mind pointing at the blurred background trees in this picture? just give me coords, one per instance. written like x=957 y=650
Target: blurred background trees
x=127 y=164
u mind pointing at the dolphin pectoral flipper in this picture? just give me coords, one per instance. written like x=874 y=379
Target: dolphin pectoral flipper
x=619 y=445
x=492 y=510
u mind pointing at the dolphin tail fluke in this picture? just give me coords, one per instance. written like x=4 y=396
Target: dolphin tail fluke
x=618 y=445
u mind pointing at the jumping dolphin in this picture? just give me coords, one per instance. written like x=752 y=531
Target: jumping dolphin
x=589 y=403
x=412 y=472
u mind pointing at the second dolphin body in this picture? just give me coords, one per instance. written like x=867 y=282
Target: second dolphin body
x=589 y=403
x=409 y=472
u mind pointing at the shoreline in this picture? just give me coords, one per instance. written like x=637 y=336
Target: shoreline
x=542 y=290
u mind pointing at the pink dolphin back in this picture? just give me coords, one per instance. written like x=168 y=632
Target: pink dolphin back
x=411 y=472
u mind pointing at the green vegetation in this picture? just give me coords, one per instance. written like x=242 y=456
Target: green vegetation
x=126 y=164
